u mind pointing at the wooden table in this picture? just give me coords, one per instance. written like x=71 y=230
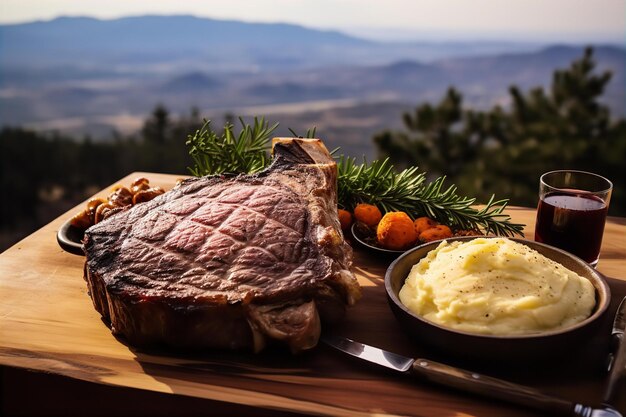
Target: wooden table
x=48 y=325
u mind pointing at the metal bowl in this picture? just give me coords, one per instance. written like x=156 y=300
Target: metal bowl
x=466 y=345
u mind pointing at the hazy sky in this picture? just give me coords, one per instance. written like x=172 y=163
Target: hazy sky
x=555 y=19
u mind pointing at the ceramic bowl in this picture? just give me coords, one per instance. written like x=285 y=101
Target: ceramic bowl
x=366 y=243
x=70 y=238
x=549 y=344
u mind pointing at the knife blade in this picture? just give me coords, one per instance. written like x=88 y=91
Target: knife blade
x=466 y=380
x=617 y=356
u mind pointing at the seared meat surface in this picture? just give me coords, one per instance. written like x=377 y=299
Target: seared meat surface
x=228 y=261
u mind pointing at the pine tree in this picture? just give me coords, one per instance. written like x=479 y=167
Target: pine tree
x=432 y=137
x=507 y=149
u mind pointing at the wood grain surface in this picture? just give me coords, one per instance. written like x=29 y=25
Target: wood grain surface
x=47 y=323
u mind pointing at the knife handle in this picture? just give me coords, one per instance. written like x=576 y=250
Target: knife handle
x=495 y=388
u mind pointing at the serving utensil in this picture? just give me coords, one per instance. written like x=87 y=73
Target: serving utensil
x=617 y=357
x=467 y=380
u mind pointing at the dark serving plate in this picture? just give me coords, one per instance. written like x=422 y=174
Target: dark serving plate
x=486 y=348
x=361 y=240
x=70 y=238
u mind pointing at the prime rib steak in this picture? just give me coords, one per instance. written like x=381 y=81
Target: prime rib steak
x=228 y=262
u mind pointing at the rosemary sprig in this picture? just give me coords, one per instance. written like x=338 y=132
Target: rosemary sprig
x=374 y=183
x=216 y=154
x=310 y=133
x=379 y=184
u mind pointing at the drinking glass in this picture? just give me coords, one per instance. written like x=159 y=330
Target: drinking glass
x=572 y=212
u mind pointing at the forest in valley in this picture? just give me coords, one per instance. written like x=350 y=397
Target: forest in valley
x=502 y=150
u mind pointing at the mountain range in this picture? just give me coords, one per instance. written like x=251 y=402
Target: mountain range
x=165 y=43
x=83 y=75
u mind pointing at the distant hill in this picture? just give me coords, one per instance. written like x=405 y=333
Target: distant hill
x=85 y=75
x=543 y=60
x=193 y=81
x=160 y=43
x=149 y=40
x=477 y=76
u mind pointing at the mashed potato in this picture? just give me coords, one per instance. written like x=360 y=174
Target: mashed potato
x=496 y=286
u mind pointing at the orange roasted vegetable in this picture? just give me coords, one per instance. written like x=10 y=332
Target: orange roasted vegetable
x=139 y=184
x=98 y=209
x=368 y=214
x=147 y=195
x=102 y=211
x=86 y=218
x=424 y=223
x=82 y=220
x=345 y=218
x=435 y=233
x=121 y=197
x=396 y=231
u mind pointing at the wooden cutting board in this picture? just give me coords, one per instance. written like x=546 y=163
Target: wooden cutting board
x=47 y=323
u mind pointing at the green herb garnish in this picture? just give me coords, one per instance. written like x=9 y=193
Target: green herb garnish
x=216 y=154
x=379 y=184
x=374 y=183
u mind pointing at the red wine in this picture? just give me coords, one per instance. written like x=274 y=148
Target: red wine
x=574 y=223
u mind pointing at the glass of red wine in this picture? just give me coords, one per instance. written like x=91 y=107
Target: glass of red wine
x=572 y=211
